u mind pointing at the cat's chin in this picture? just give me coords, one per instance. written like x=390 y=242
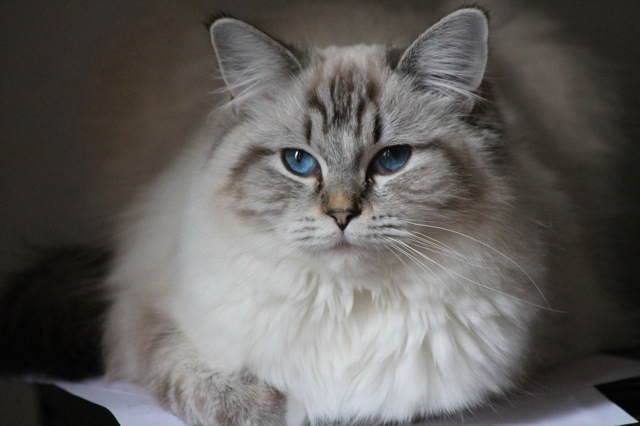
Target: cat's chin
x=344 y=247
x=344 y=257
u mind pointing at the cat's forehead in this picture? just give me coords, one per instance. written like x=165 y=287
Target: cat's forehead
x=342 y=98
x=341 y=71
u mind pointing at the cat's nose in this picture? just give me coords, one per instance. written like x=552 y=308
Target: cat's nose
x=343 y=216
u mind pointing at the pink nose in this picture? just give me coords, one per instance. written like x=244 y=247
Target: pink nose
x=343 y=216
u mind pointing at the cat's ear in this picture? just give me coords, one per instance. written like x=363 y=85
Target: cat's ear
x=251 y=62
x=451 y=56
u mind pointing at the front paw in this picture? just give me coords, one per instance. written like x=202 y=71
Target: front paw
x=205 y=398
x=249 y=402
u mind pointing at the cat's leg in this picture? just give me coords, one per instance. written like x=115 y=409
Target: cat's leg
x=169 y=367
x=205 y=397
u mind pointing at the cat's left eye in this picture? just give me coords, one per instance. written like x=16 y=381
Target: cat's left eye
x=299 y=162
x=390 y=159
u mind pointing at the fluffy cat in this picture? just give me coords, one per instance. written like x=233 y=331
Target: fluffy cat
x=371 y=232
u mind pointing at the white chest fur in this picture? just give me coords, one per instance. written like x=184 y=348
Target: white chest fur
x=337 y=347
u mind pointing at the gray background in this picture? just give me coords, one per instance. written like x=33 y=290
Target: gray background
x=46 y=51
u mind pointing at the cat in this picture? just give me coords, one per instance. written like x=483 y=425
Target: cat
x=372 y=233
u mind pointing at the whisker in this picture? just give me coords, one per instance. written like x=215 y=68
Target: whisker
x=402 y=248
x=399 y=246
x=391 y=248
x=435 y=247
x=504 y=256
x=456 y=274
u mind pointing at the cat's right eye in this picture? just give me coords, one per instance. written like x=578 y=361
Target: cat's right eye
x=299 y=162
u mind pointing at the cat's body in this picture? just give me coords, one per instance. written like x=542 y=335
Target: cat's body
x=355 y=290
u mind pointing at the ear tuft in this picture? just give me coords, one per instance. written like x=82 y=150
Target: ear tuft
x=451 y=56
x=251 y=62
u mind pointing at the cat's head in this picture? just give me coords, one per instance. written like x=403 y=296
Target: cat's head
x=357 y=154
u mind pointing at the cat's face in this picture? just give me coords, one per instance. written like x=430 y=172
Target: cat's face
x=354 y=161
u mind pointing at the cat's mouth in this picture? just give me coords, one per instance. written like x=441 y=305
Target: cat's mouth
x=344 y=246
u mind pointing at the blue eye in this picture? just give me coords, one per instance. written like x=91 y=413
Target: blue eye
x=391 y=159
x=299 y=162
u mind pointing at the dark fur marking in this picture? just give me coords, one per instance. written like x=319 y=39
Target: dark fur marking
x=393 y=56
x=377 y=128
x=373 y=91
x=462 y=168
x=307 y=129
x=237 y=179
x=371 y=95
x=340 y=103
x=316 y=103
x=359 y=115
x=305 y=229
x=251 y=155
x=342 y=87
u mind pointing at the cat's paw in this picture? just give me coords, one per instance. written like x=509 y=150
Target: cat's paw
x=249 y=402
x=207 y=398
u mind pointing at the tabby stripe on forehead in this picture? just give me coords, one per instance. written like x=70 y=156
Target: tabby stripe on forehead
x=346 y=100
x=372 y=91
x=359 y=114
x=307 y=129
x=377 y=128
x=371 y=97
x=316 y=103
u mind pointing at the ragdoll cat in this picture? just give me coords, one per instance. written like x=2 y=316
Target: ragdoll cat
x=368 y=232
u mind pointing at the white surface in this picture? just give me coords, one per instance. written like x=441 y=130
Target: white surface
x=128 y=403
x=565 y=396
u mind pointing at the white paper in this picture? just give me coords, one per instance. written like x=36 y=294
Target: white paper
x=565 y=396
x=128 y=403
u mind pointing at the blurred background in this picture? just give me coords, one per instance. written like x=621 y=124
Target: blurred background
x=48 y=48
